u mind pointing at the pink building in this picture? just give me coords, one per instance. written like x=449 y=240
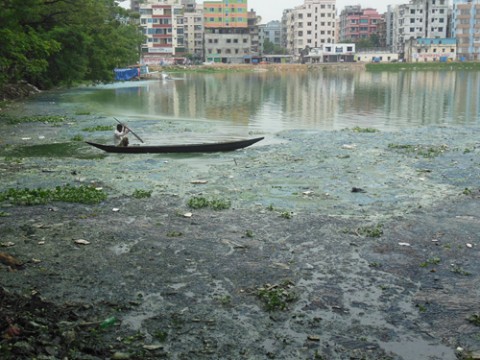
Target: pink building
x=356 y=23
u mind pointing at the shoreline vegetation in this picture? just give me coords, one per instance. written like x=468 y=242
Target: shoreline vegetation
x=398 y=66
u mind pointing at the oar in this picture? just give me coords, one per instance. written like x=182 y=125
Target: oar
x=138 y=137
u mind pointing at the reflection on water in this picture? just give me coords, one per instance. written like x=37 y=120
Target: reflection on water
x=270 y=102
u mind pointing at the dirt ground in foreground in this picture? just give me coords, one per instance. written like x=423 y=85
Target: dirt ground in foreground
x=340 y=245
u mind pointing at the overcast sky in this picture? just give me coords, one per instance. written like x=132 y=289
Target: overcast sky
x=273 y=9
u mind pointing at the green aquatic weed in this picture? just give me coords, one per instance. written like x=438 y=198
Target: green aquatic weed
x=277 y=297
x=83 y=194
x=432 y=261
x=426 y=151
x=77 y=138
x=142 y=194
x=364 y=130
x=48 y=119
x=374 y=231
x=215 y=204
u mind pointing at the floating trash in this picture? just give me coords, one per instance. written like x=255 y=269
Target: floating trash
x=82 y=242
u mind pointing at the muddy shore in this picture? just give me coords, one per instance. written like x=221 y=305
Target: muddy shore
x=337 y=245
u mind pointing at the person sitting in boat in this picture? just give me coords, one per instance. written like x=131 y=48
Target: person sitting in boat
x=120 y=137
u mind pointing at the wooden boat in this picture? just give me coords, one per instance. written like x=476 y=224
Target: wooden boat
x=186 y=148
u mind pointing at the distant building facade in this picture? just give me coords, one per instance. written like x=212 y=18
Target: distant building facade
x=418 y=19
x=271 y=31
x=428 y=50
x=356 y=23
x=162 y=25
x=254 y=31
x=310 y=26
x=376 y=56
x=466 y=28
x=193 y=23
x=227 y=37
x=331 y=53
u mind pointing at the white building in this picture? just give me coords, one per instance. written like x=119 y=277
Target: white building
x=193 y=24
x=310 y=25
x=418 y=19
x=162 y=24
x=328 y=53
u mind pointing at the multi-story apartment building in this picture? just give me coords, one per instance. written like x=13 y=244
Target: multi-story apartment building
x=418 y=19
x=310 y=25
x=254 y=31
x=162 y=24
x=466 y=28
x=382 y=32
x=227 y=33
x=286 y=16
x=356 y=23
x=193 y=22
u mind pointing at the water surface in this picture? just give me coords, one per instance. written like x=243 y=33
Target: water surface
x=238 y=103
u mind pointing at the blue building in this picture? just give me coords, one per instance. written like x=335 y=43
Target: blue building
x=466 y=28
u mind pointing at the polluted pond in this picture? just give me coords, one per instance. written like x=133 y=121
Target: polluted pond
x=352 y=244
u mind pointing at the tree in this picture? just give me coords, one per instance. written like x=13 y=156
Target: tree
x=272 y=49
x=54 y=42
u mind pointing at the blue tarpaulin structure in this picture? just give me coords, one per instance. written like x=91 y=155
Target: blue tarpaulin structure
x=126 y=74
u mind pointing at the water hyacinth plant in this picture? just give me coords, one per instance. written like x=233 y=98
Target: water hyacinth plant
x=82 y=195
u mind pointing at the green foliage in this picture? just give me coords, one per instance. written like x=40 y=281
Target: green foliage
x=374 y=231
x=161 y=336
x=174 y=234
x=425 y=151
x=47 y=119
x=77 y=138
x=277 y=297
x=198 y=203
x=432 y=261
x=49 y=43
x=83 y=195
x=142 y=194
x=364 y=130
x=448 y=66
x=474 y=319
x=215 y=204
x=273 y=49
x=286 y=215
